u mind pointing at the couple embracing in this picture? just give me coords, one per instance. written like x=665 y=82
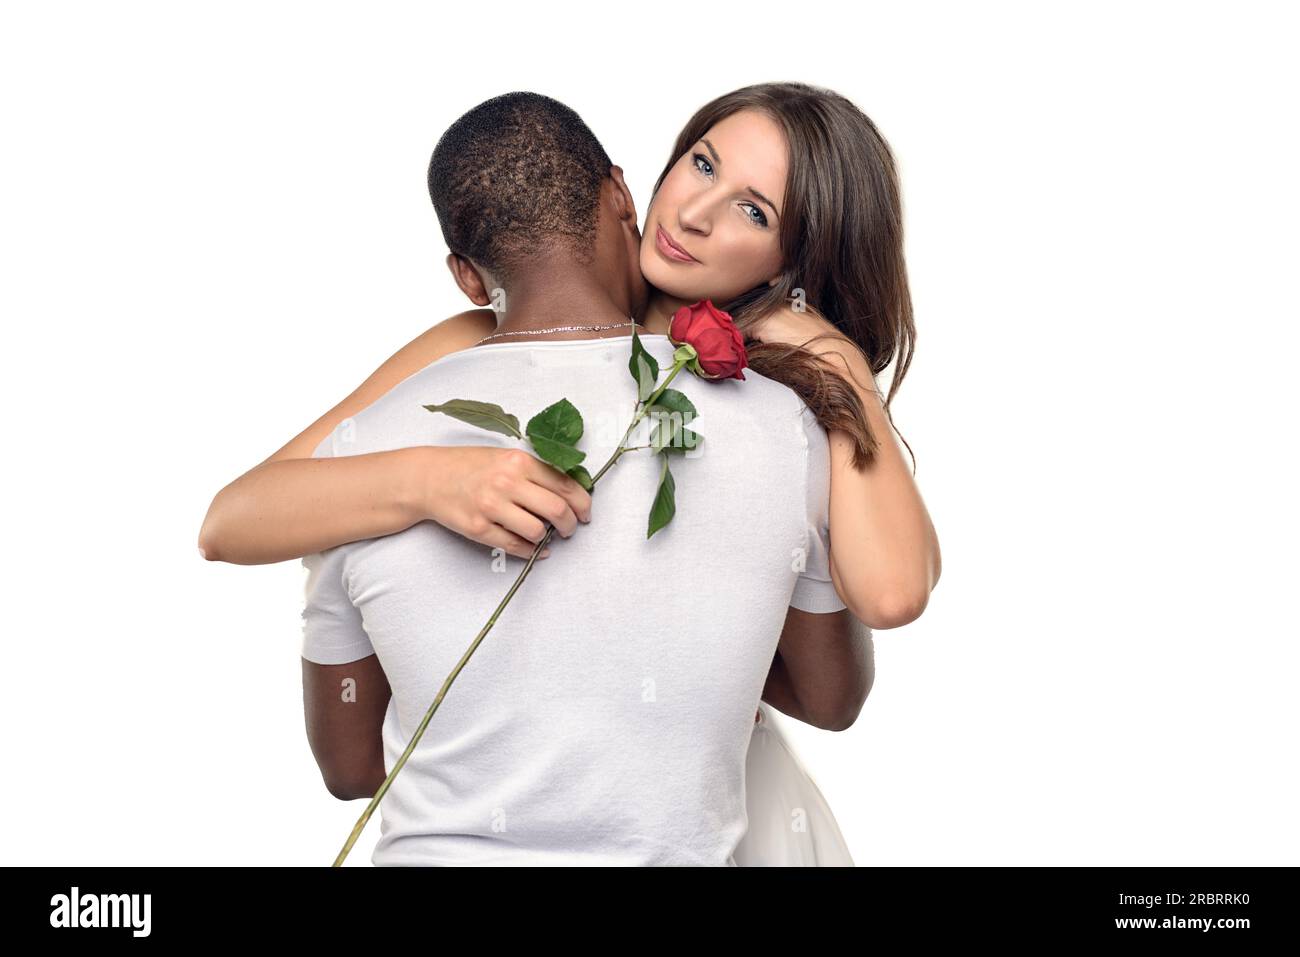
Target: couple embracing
x=621 y=710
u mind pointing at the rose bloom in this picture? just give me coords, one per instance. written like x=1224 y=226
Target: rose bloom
x=713 y=335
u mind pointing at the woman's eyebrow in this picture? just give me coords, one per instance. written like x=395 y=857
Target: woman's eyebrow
x=717 y=161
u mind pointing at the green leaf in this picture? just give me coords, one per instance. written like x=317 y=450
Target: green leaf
x=485 y=415
x=690 y=441
x=644 y=368
x=554 y=433
x=580 y=473
x=665 y=427
x=563 y=457
x=559 y=422
x=665 y=506
x=672 y=413
x=675 y=401
x=668 y=425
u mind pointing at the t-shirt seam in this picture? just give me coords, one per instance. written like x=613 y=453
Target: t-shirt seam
x=572 y=343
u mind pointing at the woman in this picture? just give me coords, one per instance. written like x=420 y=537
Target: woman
x=780 y=203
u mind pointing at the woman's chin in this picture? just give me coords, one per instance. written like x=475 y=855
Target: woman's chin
x=662 y=279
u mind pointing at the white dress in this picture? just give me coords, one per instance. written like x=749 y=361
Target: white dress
x=790 y=823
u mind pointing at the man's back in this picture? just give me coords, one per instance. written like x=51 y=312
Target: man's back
x=606 y=716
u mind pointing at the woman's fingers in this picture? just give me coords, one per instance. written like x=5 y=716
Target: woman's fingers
x=547 y=506
x=548 y=476
x=511 y=499
x=521 y=522
x=512 y=544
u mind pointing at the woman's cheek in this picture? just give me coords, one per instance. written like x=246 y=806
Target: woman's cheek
x=736 y=273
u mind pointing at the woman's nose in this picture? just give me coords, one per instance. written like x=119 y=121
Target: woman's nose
x=693 y=215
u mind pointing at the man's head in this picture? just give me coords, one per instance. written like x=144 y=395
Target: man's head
x=520 y=184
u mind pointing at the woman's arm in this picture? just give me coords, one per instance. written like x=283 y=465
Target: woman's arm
x=292 y=505
x=885 y=557
x=887 y=561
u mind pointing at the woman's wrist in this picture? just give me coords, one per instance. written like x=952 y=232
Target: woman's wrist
x=414 y=489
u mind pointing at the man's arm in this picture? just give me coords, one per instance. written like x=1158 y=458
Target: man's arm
x=823 y=669
x=344 y=707
x=345 y=692
x=824 y=666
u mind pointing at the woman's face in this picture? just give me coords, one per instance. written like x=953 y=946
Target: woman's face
x=721 y=203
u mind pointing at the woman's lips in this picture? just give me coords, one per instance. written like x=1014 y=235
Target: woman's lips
x=670 y=249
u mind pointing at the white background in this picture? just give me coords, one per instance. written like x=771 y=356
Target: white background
x=215 y=225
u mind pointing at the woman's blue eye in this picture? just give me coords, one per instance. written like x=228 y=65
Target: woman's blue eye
x=698 y=158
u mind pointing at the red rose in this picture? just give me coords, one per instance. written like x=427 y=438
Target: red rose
x=714 y=336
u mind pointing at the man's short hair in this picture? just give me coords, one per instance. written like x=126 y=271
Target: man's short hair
x=517 y=172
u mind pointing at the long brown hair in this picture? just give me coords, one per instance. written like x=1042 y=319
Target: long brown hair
x=841 y=241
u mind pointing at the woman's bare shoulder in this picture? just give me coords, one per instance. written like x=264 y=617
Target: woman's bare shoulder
x=792 y=326
x=450 y=335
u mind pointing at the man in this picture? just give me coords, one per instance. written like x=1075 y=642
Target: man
x=606 y=716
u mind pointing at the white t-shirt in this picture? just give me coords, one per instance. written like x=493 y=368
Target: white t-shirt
x=606 y=716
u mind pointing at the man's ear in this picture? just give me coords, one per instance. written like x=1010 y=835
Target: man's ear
x=474 y=282
x=623 y=202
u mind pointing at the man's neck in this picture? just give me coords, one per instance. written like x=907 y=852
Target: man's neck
x=538 y=306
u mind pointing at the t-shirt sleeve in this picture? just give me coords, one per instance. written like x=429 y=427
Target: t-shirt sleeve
x=332 y=628
x=814 y=590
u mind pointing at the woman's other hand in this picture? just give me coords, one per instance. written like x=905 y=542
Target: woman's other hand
x=500 y=497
